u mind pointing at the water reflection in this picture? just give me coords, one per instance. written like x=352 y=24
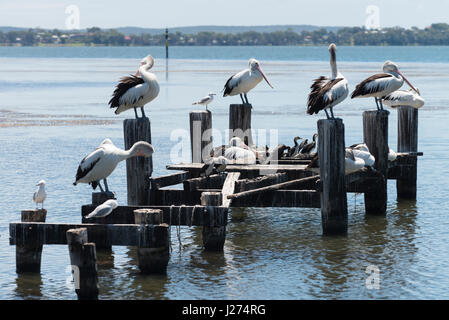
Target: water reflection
x=29 y=285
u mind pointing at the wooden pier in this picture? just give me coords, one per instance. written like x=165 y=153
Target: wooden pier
x=195 y=195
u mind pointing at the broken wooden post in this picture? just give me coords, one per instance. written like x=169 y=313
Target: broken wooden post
x=331 y=151
x=28 y=256
x=375 y=136
x=240 y=122
x=408 y=142
x=84 y=264
x=200 y=135
x=152 y=260
x=138 y=169
x=213 y=237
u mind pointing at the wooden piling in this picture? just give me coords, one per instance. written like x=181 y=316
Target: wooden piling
x=240 y=122
x=138 y=169
x=331 y=151
x=84 y=264
x=152 y=260
x=375 y=136
x=213 y=237
x=100 y=197
x=408 y=142
x=200 y=135
x=28 y=256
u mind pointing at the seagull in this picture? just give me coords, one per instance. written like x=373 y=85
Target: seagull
x=241 y=83
x=205 y=100
x=104 y=209
x=40 y=195
x=100 y=163
x=404 y=98
x=135 y=91
x=328 y=92
x=381 y=84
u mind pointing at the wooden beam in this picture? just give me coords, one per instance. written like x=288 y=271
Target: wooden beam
x=173 y=215
x=116 y=235
x=280 y=199
x=169 y=179
x=214 y=181
x=229 y=187
x=296 y=182
x=259 y=182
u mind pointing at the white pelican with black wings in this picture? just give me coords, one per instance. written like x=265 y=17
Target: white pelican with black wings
x=135 y=91
x=328 y=92
x=382 y=84
x=241 y=83
x=100 y=163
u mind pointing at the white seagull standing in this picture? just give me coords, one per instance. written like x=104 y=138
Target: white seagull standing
x=206 y=100
x=381 y=84
x=40 y=195
x=104 y=209
x=135 y=91
x=241 y=83
x=100 y=163
x=328 y=92
x=404 y=98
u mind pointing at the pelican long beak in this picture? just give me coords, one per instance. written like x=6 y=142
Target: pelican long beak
x=137 y=73
x=408 y=82
x=264 y=76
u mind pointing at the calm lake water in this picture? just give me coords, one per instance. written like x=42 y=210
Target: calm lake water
x=53 y=111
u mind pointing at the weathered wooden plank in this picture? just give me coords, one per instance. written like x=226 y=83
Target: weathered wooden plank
x=200 y=134
x=229 y=187
x=173 y=215
x=278 y=186
x=116 y=235
x=407 y=142
x=280 y=199
x=259 y=182
x=138 y=169
x=168 y=197
x=169 y=179
x=240 y=122
x=331 y=150
x=214 y=181
x=375 y=135
x=363 y=181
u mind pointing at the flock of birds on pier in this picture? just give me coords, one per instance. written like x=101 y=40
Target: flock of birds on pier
x=137 y=90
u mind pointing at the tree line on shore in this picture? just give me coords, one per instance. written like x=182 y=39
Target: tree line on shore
x=436 y=34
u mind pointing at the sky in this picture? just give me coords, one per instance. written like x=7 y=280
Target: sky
x=176 y=13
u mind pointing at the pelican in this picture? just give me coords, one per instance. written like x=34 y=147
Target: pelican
x=135 y=91
x=404 y=98
x=40 y=195
x=205 y=100
x=361 y=151
x=241 y=83
x=221 y=161
x=100 y=163
x=392 y=155
x=104 y=209
x=308 y=148
x=381 y=84
x=328 y=92
x=239 y=152
x=352 y=163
